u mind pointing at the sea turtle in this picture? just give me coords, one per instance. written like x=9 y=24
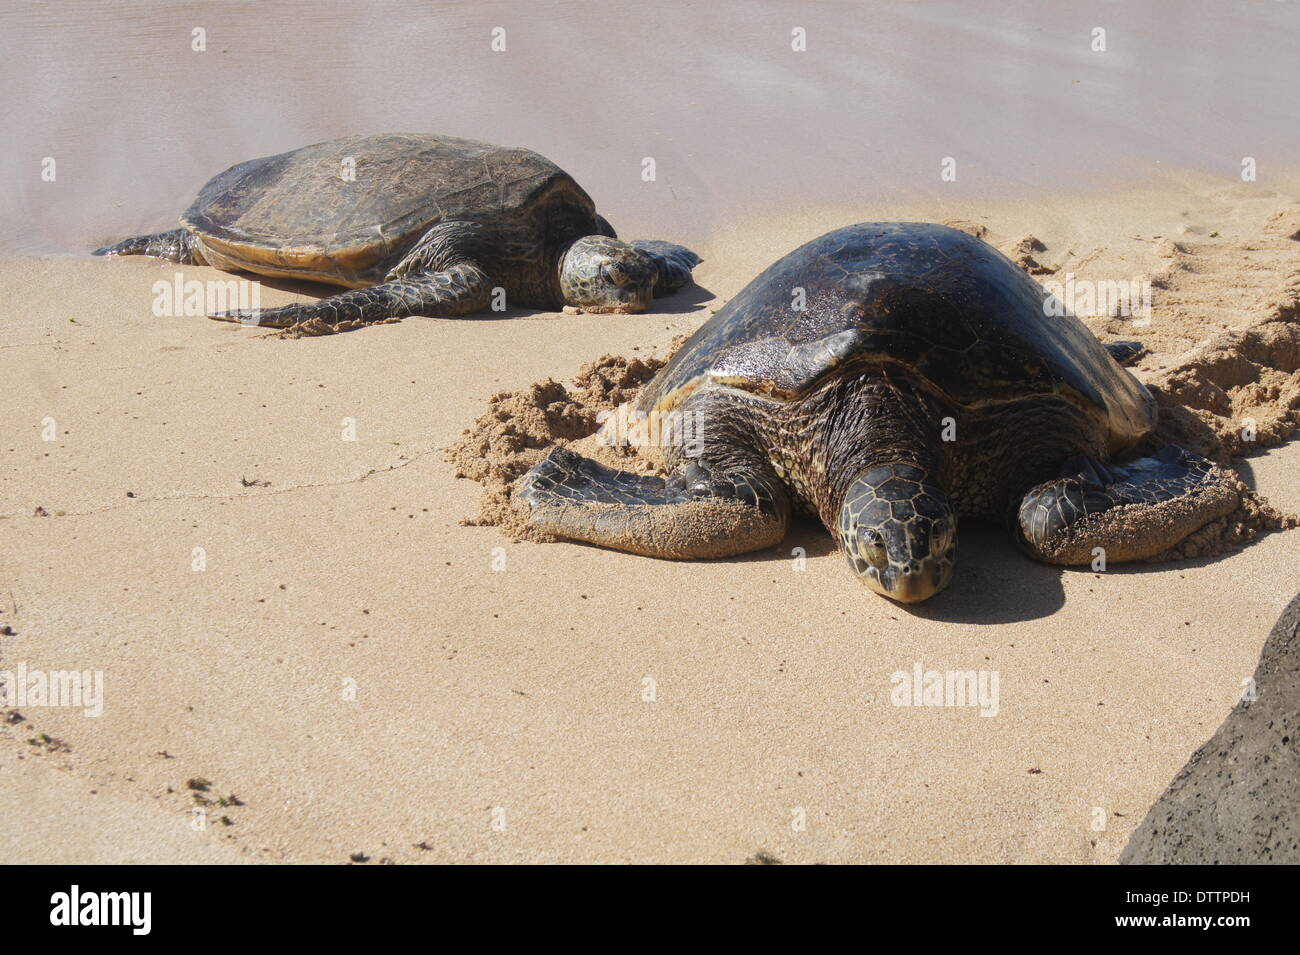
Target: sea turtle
x=414 y=225
x=891 y=378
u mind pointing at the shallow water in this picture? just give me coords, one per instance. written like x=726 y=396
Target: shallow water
x=735 y=120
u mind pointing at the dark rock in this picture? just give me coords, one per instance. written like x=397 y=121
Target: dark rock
x=1238 y=798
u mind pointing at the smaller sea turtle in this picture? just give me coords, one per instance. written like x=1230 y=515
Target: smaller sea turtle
x=891 y=378
x=415 y=225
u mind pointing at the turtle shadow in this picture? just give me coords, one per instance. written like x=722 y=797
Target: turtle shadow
x=1138 y=567
x=316 y=290
x=994 y=583
x=692 y=298
x=1245 y=469
x=1246 y=472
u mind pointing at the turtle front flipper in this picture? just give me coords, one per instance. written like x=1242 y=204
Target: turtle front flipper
x=178 y=245
x=673 y=263
x=454 y=291
x=700 y=511
x=1133 y=512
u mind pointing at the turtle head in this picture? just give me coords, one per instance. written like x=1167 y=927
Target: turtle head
x=600 y=274
x=899 y=532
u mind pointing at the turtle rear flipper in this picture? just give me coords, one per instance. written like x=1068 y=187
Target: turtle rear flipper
x=178 y=245
x=1136 y=511
x=453 y=291
x=698 y=512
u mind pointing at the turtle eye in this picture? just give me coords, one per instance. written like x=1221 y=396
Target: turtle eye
x=873 y=548
x=940 y=538
x=617 y=274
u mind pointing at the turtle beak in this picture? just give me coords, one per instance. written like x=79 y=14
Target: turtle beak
x=914 y=588
x=627 y=303
x=627 y=294
x=620 y=308
x=640 y=300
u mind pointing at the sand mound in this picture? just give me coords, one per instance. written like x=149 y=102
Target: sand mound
x=1284 y=222
x=1237 y=393
x=977 y=229
x=520 y=426
x=1022 y=252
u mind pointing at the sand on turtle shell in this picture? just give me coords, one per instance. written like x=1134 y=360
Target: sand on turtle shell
x=1235 y=393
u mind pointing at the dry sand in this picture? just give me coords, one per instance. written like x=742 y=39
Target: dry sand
x=365 y=674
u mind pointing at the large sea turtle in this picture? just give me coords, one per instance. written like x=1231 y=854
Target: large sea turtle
x=414 y=225
x=891 y=378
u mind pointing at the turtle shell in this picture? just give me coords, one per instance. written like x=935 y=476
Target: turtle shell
x=950 y=308
x=346 y=210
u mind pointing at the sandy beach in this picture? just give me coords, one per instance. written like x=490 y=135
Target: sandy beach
x=304 y=623
x=278 y=566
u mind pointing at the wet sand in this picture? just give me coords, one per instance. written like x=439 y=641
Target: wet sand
x=738 y=122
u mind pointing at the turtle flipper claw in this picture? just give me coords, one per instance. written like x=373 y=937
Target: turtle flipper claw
x=261 y=317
